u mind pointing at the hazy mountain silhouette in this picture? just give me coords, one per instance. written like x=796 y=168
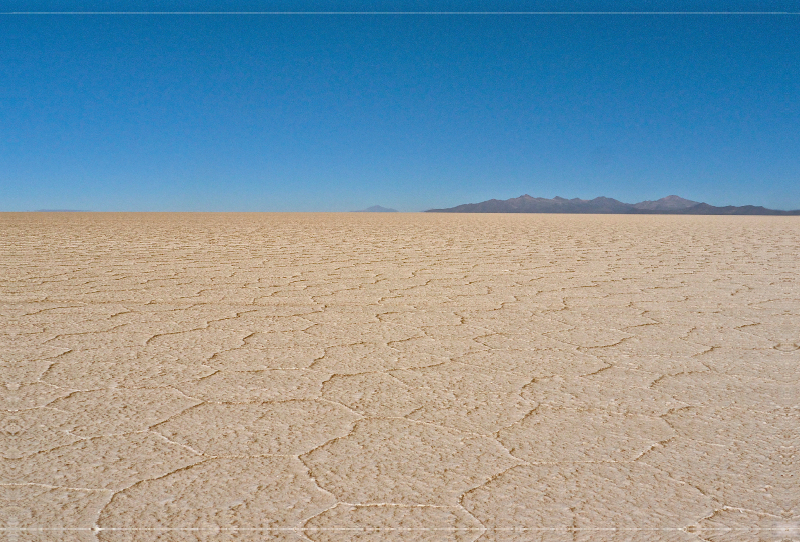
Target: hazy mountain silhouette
x=673 y=205
x=376 y=209
x=670 y=203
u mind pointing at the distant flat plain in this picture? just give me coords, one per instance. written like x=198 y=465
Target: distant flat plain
x=399 y=377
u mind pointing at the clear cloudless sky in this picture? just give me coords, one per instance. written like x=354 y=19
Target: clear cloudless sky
x=316 y=112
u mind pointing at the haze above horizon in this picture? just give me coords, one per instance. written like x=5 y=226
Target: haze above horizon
x=316 y=112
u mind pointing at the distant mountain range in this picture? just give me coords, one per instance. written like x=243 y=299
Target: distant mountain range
x=670 y=205
x=376 y=209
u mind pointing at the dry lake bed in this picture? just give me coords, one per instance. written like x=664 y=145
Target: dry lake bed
x=430 y=377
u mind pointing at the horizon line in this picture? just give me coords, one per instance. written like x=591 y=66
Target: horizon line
x=444 y=210
x=400 y=13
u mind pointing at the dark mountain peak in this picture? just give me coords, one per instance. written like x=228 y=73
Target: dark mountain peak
x=604 y=205
x=677 y=199
x=669 y=203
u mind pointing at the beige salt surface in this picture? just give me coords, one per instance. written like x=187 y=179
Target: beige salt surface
x=433 y=377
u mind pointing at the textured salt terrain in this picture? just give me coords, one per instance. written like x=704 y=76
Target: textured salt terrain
x=181 y=377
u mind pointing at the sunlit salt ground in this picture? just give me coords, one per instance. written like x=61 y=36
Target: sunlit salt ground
x=399 y=377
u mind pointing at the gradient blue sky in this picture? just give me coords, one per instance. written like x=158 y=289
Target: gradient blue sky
x=340 y=112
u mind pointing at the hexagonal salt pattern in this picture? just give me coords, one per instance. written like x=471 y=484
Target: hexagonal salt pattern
x=341 y=377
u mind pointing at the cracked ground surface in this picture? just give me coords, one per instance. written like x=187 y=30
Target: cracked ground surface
x=429 y=377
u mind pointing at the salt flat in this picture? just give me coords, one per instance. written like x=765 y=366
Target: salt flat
x=428 y=377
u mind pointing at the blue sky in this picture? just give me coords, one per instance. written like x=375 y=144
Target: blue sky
x=340 y=112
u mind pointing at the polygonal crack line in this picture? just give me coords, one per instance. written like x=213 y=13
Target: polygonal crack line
x=711 y=346
x=714 y=500
x=142 y=481
x=47 y=309
x=200 y=402
x=593 y=373
x=389 y=372
x=329 y=441
x=302 y=535
x=380 y=315
x=47 y=404
x=395 y=341
x=695 y=529
x=54 y=358
x=322 y=383
x=155 y=336
x=699 y=439
x=489 y=480
x=324 y=353
x=496 y=435
x=750 y=324
x=672 y=410
x=326 y=348
x=60 y=335
x=483 y=528
x=478 y=338
x=196 y=379
x=232 y=349
x=139 y=432
x=336 y=502
x=366 y=418
x=352 y=411
x=652 y=446
x=664 y=377
x=603 y=346
x=726 y=508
